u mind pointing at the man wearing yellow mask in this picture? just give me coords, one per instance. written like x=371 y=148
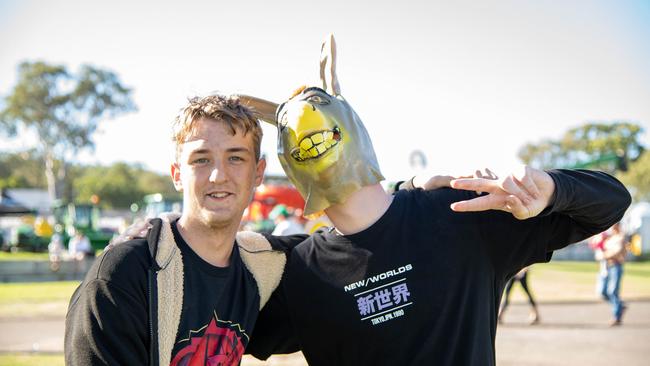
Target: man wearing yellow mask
x=415 y=278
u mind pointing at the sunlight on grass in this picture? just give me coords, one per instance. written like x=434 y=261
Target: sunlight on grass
x=24 y=256
x=576 y=281
x=35 y=299
x=28 y=359
x=34 y=292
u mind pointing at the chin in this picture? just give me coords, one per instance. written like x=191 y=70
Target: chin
x=219 y=219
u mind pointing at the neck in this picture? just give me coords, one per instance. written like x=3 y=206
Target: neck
x=362 y=209
x=213 y=245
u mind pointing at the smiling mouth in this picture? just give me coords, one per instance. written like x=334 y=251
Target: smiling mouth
x=316 y=145
x=219 y=195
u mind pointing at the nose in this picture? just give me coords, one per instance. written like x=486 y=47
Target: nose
x=218 y=174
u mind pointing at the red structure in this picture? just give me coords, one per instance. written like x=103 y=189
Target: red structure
x=269 y=195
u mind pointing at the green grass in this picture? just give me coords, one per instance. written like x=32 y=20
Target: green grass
x=37 y=291
x=576 y=281
x=641 y=269
x=24 y=256
x=28 y=359
x=35 y=299
x=555 y=281
x=31 y=256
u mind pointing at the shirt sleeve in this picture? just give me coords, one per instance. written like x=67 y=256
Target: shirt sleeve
x=274 y=332
x=106 y=326
x=285 y=242
x=107 y=321
x=585 y=203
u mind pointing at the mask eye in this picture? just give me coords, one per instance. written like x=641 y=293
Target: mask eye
x=317 y=99
x=283 y=120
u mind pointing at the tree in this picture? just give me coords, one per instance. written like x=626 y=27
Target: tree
x=605 y=146
x=21 y=170
x=116 y=185
x=150 y=182
x=63 y=110
x=637 y=178
x=119 y=185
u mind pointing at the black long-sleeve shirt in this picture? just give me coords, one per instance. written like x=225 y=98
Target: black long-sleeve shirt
x=422 y=285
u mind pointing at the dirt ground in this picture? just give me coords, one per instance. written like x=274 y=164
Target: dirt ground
x=574 y=333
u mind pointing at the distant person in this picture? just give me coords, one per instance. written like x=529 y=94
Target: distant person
x=55 y=250
x=285 y=221
x=522 y=278
x=79 y=246
x=613 y=253
x=597 y=244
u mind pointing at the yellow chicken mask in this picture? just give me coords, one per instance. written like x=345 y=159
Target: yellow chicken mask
x=323 y=146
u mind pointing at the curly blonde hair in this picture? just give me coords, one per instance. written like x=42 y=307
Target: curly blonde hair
x=227 y=109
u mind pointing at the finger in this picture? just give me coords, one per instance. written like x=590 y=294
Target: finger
x=514 y=205
x=491 y=174
x=512 y=186
x=483 y=203
x=476 y=184
x=438 y=181
x=478 y=174
x=446 y=180
x=524 y=177
x=463 y=177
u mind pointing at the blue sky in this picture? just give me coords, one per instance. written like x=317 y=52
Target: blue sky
x=467 y=83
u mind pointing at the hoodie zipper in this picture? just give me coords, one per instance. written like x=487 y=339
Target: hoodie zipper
x=153 y=341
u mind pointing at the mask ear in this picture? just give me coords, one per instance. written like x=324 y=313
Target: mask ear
x=328 y=66
x=264 y=108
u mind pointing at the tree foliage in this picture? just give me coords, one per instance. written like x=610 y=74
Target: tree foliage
x=63 y=110
x=117 y=185
x=120 y=185
x=604 y=146
x=637 y=178
x=21 y=170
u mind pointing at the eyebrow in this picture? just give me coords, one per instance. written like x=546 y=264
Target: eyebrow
x=199 y=151
x=312 y=88
x=230 y=150
x=238 y=149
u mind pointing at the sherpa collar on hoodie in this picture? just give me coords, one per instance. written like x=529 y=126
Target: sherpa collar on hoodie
x=265 y=264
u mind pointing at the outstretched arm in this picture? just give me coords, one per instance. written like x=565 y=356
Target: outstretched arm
x=524 y=194
x=589 y=197
x=545 y=211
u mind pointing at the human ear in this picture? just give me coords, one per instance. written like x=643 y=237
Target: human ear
x=259 y=171
x=176 y=177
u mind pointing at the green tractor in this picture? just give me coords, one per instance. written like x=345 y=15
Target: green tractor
x=27 y=237
x=84 y=218
x=157 y=203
